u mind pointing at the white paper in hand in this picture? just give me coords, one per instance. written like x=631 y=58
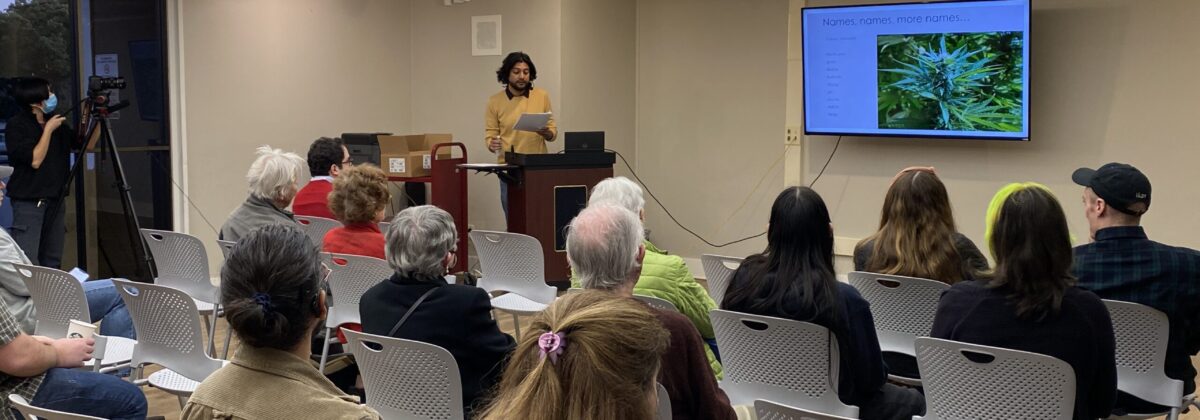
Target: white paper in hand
x=79 y=274
x=532 y=122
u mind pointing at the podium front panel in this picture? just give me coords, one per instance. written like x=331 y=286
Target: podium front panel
x=543 y=204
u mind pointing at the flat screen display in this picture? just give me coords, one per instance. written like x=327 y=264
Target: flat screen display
x=955 y=69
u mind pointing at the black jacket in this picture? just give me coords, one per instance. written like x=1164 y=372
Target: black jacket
x=456 y=318
x=21 y=136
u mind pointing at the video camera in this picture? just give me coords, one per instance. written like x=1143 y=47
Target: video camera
x=97 y=86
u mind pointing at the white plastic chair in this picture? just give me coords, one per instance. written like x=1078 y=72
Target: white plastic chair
x=169 y=334
x=512 y=262
x=383 y=227
x=903 y=308
x=657 y=303
x=350 y=277
x=970 y=381
x=1141 y=334
x=664 y=403
x=406 y=379
x=182 y=264
x=59 y=298
x=775 y=359
x=766 y=410
x=29 y=412
x=316 y=228
x=718 y=270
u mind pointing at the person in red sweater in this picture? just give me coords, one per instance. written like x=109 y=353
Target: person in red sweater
x=359 y=196
x=327 y=158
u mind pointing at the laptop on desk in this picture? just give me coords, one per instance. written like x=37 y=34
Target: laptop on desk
x=584 y=142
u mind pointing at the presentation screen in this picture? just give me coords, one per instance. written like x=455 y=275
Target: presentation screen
x=951 y=69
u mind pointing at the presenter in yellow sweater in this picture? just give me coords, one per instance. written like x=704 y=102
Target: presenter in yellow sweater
x=504 y=108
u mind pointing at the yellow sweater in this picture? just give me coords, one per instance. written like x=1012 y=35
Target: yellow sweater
x=502 y=114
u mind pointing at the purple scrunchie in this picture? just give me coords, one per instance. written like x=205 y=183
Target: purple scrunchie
x=553 y=344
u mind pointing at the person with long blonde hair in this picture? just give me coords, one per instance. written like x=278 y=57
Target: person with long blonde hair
x=917 y=235
x=591 y=355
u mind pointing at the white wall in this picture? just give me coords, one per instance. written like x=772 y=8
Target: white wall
x=283 y=72
x=712 y=77
x=1112 y=80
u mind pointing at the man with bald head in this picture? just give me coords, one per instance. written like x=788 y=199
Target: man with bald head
x=605 y=249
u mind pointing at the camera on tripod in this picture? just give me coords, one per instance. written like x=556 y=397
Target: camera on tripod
x=99 y=86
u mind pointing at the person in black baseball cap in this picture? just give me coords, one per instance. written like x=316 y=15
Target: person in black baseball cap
x=1115 y=186
x=1123 y=264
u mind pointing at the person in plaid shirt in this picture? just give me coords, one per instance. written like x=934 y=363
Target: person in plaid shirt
x=1122 y=263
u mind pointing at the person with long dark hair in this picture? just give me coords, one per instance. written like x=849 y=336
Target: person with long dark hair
x=917 y=235
x=794 y=279
x=1029 y=302
x=39 y=147
x=504 y=109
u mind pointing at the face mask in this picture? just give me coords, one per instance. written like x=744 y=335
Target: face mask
x=49 y=104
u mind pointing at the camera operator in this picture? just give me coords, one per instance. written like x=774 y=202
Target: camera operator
x=39 y=148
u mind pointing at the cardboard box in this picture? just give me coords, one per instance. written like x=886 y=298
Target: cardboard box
x=410 y=156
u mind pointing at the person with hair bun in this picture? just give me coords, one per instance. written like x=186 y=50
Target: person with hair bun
x=592 y=355
x=360 y=194
x=273 y=297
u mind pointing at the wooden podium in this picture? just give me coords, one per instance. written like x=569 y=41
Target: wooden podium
x=546 y=191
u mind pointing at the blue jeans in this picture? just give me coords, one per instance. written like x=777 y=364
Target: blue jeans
x=90 y=393
x=105 y=304
x=504 y=199
x=40 y=237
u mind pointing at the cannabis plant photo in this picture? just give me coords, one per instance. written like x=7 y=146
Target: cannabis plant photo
x=967 y=81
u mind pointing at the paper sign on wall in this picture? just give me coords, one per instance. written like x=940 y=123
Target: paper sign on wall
x=106 y=65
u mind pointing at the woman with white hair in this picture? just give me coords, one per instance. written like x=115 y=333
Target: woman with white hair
x=664 y=276
x=274 y=180
x=416 y=303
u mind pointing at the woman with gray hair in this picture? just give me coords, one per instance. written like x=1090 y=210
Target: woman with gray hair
x=416 y=303
x=664 y=276
x=274 y=179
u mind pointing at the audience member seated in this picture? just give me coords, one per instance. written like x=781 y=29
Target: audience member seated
x=44 y=372
x=1029 y=302
x=794 y=279
x=1123 y=264
x=917 y=238
x=103 y=301
x=663 y=276
x=606 y=250
x=589 y=356
x=416 y=303
x=917 y=235
x=327 y=158
x=273 y=181
x=273 y=299
x=360 y=194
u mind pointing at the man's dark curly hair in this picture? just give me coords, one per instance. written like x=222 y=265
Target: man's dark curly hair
x=512 y=60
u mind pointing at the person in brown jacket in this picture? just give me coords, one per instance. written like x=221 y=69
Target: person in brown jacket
x=605 y=248
x=271 y=290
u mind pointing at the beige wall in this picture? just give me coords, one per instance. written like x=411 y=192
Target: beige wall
x=1112 y=81
x=283 y=72
x=710 y=101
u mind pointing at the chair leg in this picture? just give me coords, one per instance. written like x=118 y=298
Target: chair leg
x=228 y=336
x=212 y=331
x=325 y=349
x=182 y=401
x=517 y=324
x=1174 y=414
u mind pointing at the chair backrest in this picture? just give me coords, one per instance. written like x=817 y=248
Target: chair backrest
x=971 y=381
x=767 y=410
x=903 y=307
x=657 y=303
x=777 y=359
x=57 y=296
x=1141 y=334
x=383 y=227
x=225 y=246
x=29 y=412
x=317 y=227
x=182 y=263
x=407 y=379
x=352 y=275
x=664 y=403
x=168 y=329
x=512 y=262
x=718 y=270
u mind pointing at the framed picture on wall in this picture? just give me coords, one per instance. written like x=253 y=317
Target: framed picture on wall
x=485 y=35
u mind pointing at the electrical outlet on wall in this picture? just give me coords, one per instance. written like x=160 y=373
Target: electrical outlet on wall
x=792 y=135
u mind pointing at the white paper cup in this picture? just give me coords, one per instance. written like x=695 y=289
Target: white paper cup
x=80 y=329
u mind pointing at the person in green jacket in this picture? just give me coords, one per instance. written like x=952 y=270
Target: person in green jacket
x=664 y=276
